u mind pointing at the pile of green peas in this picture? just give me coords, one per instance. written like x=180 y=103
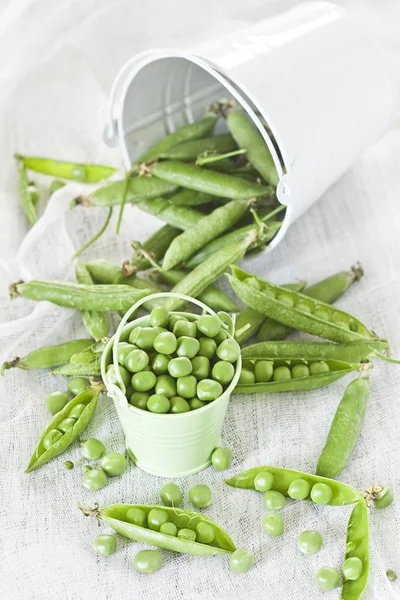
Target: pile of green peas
x=176 y=365
x=112 y=464
x=262 y=371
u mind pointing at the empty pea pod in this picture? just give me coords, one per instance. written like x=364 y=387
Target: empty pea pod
x=189 y=150
x=157 y=245
x=341 y=494
x=205 y=180
x=118 y=517
x=138 y=189
x=299 y=311
x=96 y=323
x=27 y=201
x=53 y=440
x=357 y=546
x=86 y=173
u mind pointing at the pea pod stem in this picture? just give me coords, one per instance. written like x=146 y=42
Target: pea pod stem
x=122 y=206
x=87 y=173
x=191 y=149
x=96 y=237
x=204 y=159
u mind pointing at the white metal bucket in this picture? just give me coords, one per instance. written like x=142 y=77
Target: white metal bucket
x=312 y=73
x=163 y=444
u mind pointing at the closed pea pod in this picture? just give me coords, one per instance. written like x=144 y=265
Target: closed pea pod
x=96 y=323
x=137 y=189
x=191 y=198
x=157 y=245
x=357 y=547
x=87 y=173
x=177 y=216
x=189 y=150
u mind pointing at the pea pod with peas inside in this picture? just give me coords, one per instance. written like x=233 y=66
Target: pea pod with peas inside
x=142 y=523
x=64 y=428
x=86 y=173
x=298 y=310
x=356 y=565
x=289 y=483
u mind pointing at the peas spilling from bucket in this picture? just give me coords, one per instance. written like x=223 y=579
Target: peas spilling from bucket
x=176 y=365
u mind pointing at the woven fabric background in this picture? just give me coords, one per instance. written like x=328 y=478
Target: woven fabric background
x=57 y=63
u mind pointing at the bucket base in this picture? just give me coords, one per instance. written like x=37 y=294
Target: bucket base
x=167 y=474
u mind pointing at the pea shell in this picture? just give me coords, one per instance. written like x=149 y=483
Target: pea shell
x=342 y=494
x=48 y=356
x=67 y=170
x=40 y=455
x=357 y=539
x=115 y=514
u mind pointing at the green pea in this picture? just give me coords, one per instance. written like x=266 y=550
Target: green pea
x=111 y=376
x=352 y=568
x=195 y=403
x=263 y=370
x=341 y=321
x=171 y=494
x=384 y=498
x=94 y=479
x=93 y=449
x=76 y=411
x=221 y=337
x=165 y=343
x=147 y=561
x=304 y=306
x=247 y=377
x=229 y=350
x=187 y=346
x=157 y=403
x=129 y=392
x=69 y=465
x=200 y=496
x=178 y=405
x=159 y=364
x=187 y=534
x=169 y=529
x=200 y=367
x=221 y=458
x=282 y=374
x=321 y=493
x=136 y=361
x=113 y=463
x=209 y=325
x=77 y=385
x=253 y=282
x=159 y=317
x=317 y=368
x=273 y=524
x=124 y=349
x=223 y=372
x=144 y=381
x=104 y=545
x=79 y=173
x=56 y=401
x=205 y=533
x=208 y=347
x=391 y=575
x=241 y=560
x=180 y=367
x=208 y=390
x=299 y=489
x=139 y=399
x=322 y=313
x=309 y=542
x=174 y=319
x=185 y=328
x=136 y=516
x=263 y=481
x=274 y=500
x=66 y=424
x=187 y=386
x=327 y=578
x=299 y=371
x=144 y=337
x=166 y=386
x=286 y=299
x=87 y=468
x=156 y=517
x=269 y=292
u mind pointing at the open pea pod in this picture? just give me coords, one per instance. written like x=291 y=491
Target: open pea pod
x=298 y=310
x=357 y=546
x=342 y=494
x=115 y=516
x=337 y=369
x=41 y=455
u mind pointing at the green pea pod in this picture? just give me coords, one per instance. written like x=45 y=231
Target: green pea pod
x=48 y=356
x=41 y=455
x=89 y=369
x=157 y=245
x=337 y=369
x=353 y=352
x=55 y=185
x=190 y=150
x=190 y=198
x=86 y=173
x=115 y=515
x=357 y=546
x=34 y=192
x=206 y=230
x=345 y=429
x=342 y=494
x=138 y=189
x=247 y=136
x=248 y=321
x=327 y=290
x=101 y=298
x=26 y=197
x=204 y=180
x=104 y=271
x=180 y=217
x=96 y=323
x=90 y=354
x=273 y=301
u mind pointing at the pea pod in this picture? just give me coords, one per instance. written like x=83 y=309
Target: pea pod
x=27 y=202
x=190 y=198
x=327 y=290
x=281 y=305
x=104 y=271
x=86 y=173
x=357 y=546
x=157 y=245
x=189 y=150
x=99 y=298
x=48 y=356
x=342 y=494
x=90 y=354
x=180 y=217
x=204 y=180
x=115 y=516
x=96 y=323
x=87 y=369
x=137 y=189
x=206 y=230
x=43 y=454
x=345 y=429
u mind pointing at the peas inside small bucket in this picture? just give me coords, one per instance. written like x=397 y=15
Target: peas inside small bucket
x=171 y=375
